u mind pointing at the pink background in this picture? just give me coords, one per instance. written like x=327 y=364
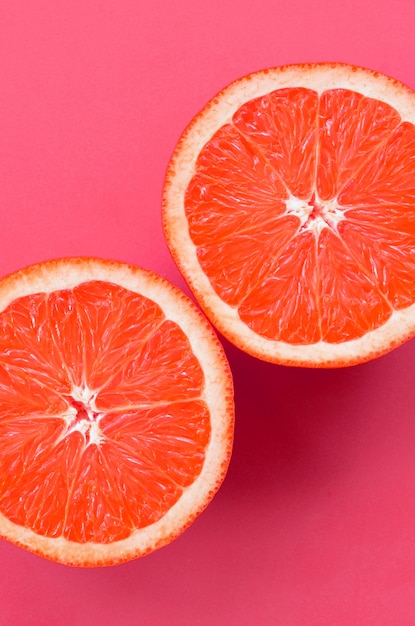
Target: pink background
x=315 y=523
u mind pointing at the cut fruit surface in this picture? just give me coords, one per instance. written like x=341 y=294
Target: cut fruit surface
x=116 y=411
x=289 y=208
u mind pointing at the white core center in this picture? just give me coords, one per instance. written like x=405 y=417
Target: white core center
x=82 y=415
x=315 y=214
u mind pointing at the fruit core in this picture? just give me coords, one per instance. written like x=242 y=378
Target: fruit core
x=315 y=214
x=82 y=416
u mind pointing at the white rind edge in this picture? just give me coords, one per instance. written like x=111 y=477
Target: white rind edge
x=218 y=394
x=218 y=112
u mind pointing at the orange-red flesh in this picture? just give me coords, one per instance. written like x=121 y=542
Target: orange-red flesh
x=113 y=407
x=344 y=271
x=146 y=385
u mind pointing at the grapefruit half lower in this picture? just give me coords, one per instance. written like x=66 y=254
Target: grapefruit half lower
x=116 y=411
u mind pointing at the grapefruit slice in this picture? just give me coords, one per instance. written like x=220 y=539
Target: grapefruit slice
x=116 y=411
x=289 y=208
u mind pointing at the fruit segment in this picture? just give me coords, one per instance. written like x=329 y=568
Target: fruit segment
x=110 y=324
x=238 y=264
x=388 y=176
x=37 y=467
x=350 y=300
x=24 y=324
x=283 y=126
x=163 y=370
x=351 y=128
x=234 y=187
x=285 y=306
x=387 y=256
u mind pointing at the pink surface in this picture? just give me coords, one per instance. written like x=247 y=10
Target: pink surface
x=315 y=523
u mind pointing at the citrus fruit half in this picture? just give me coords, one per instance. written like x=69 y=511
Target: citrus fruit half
x=289 y=208
x=116 y=411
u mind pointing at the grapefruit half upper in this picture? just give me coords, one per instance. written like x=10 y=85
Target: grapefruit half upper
x=289 y=208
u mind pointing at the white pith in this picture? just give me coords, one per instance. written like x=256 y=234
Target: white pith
x=329 y=213
x=220 y=111
x=88 y=427
x=217 y=394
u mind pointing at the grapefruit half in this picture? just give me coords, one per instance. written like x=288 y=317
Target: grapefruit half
x=116 y=411
x=289 y=208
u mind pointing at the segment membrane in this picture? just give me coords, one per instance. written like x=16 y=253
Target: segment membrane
x=283 y=126
x=388 y=256
x=237 y=265
x=351 y=302
x=285 y=306
x=388 y=176
x=351 y=128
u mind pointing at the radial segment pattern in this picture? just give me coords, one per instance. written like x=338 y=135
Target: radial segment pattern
x=102 y=419
x=302 y=211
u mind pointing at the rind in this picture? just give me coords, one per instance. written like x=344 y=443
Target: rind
x=321 y=76
x=218 y=394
